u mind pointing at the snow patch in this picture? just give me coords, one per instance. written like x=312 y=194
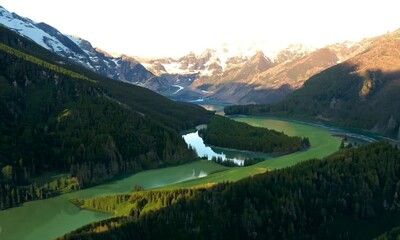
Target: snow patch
x=204 y=91
x=197 y=100
x=28 y=29
x=76 y=40
x=179 y=88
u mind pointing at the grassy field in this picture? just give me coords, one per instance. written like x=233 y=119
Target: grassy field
x=186 y=176
x=322 y=144
x=152 y=179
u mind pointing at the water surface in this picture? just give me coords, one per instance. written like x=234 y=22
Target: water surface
x=53 y=217
x=203 y=150
x=50 y=218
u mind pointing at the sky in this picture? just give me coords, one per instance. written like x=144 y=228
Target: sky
x=173 y=28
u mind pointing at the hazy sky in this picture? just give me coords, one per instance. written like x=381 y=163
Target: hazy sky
x=176 y=27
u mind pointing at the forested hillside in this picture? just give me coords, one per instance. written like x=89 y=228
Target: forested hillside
x=360 y=93
x=60 y=118
x=224 y=132
x=352 y=194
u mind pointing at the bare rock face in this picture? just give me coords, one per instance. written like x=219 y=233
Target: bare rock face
x=260 y=62
x=159 y=68
x=215 y=66
x=184 y=66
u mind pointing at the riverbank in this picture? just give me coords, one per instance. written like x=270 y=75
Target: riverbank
x=54 y=217
x=364 y=135
x=322 y=145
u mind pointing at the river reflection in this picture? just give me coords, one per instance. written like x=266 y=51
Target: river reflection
x=50 y=218
x=53 y=217
x=238 y=157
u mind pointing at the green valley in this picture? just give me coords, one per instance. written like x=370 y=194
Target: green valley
x=322 y=145
x=56 y=216
x=171 y=178
x=128 y=142
x=58 y=117
x=358 y=183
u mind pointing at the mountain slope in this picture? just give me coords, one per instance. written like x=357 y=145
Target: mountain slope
x=362 y=92
x=237 y=83
x=349 y=195
x=226 y=75
x=77 y=50
x=57 y=116
x=259 y=80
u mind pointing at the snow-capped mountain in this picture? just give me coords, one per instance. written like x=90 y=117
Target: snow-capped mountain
x=216 y=61
x=208 y=63
x=234 y=76
x=75 y=49
x=293 y=52
x=230 y=73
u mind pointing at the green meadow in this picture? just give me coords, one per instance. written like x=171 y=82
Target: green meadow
x=50 y=212
x=322 y=145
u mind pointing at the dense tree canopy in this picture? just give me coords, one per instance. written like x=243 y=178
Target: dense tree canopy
x=224 y=132
x=59 y=118
x=352 y=194
x=344 y=96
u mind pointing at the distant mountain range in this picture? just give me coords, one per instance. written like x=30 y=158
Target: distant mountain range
x=250 y=79
x=228 y=74
x=362 y=92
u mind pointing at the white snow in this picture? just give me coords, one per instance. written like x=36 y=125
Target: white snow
x=197 y=100
x=233 y=50
x=174 y=68
x=146 y=65
x=207 y=72
x=76 y=40
x=115 y=60
x=28 y=29
x=179 y=88
x=204 y=91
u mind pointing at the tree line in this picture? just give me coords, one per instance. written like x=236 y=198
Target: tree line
x=353 y=194
x=224 y=132
x=52 y=121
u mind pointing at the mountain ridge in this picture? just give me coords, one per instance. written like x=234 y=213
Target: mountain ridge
x=59 y=116
x=234 y=80
x=77 y=50
x=221 y=75
x=362 y=92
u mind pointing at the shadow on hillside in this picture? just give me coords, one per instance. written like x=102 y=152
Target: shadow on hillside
x=241 y=93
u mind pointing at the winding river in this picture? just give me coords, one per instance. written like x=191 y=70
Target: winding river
x=50 y=218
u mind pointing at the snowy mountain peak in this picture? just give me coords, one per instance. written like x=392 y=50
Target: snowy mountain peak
x=75 y=49
x=44 y=35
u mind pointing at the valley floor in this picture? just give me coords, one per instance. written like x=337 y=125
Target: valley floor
x=184 y=176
